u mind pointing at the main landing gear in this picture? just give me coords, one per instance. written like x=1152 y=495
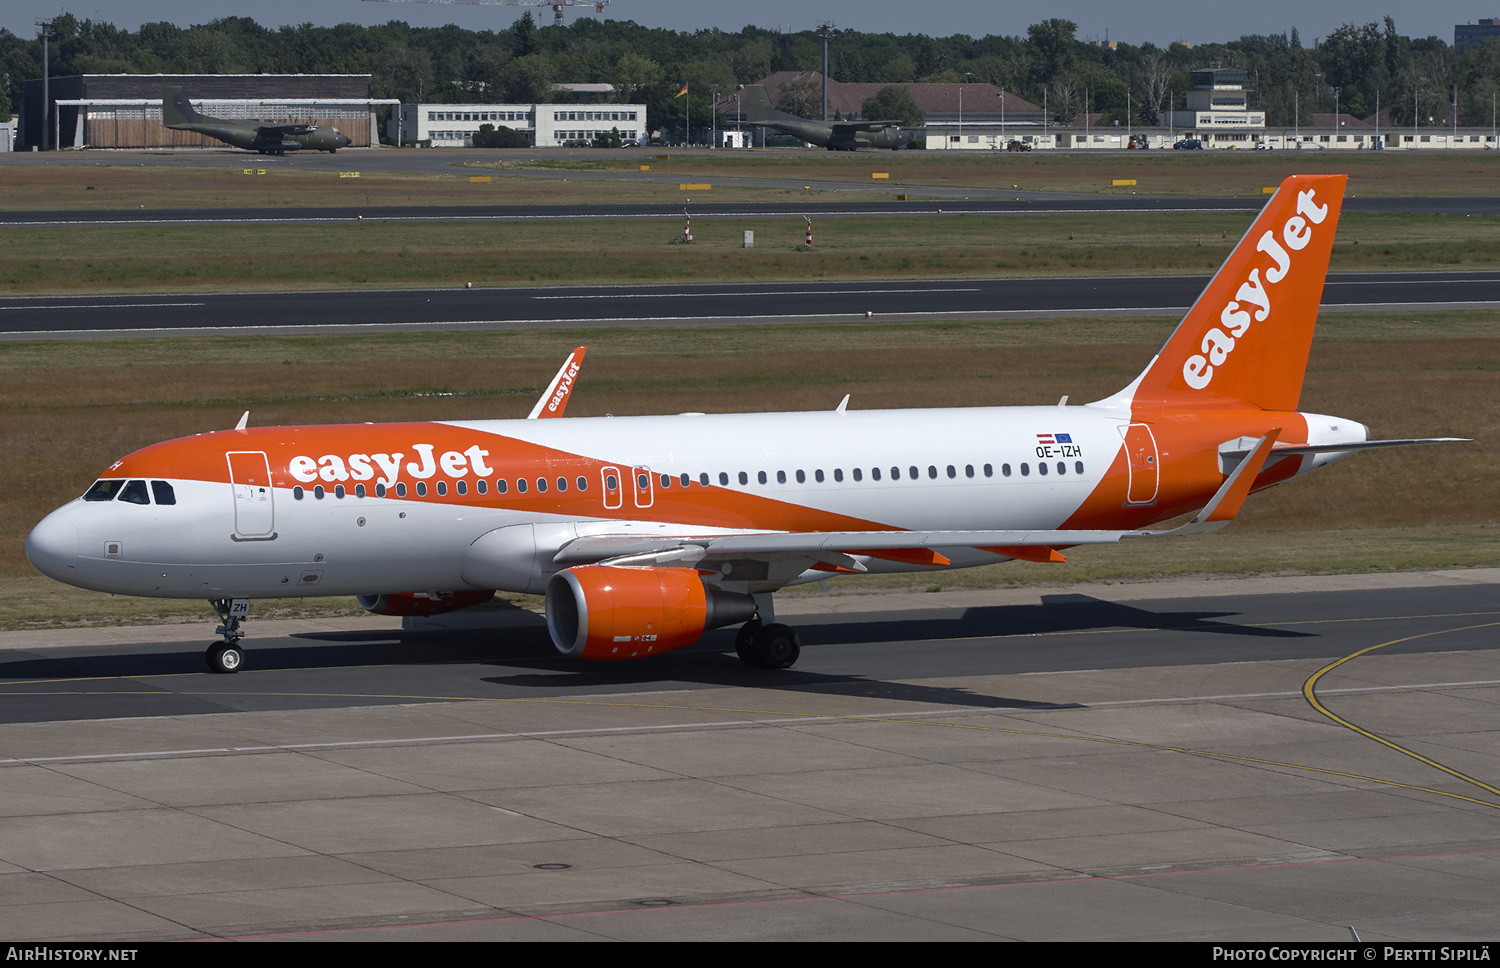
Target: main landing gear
x=227 y=656
x=771 y=646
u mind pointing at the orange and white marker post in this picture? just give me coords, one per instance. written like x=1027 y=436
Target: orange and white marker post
x=809 y=230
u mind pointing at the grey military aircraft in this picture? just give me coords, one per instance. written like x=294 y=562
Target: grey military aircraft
x=177 y=113
x=833 y=135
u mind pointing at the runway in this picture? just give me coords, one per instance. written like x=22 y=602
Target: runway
x=1096 y=762
x=84 y=317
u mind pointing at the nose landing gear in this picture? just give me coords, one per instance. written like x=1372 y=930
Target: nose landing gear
x=226 y=657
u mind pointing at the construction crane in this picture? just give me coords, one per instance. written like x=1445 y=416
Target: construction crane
x=556 y=5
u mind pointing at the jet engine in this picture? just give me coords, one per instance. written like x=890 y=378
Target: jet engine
x=422 y=603
x=622 y=612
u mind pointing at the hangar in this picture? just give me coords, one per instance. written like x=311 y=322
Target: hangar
x=124 y=110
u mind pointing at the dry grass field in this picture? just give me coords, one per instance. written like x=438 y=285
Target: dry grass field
x=1196 y=174
x=375 y=254
x=130 y=180
x=67 y=410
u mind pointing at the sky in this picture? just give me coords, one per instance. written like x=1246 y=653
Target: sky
x=1130 y=21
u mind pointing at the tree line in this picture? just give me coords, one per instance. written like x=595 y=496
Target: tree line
x=1361 y=67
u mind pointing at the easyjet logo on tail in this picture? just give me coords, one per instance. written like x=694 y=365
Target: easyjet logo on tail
x=564 y=385
x=1252 y=302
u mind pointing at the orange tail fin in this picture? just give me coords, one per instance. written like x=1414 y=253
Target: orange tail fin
x=1246 y=339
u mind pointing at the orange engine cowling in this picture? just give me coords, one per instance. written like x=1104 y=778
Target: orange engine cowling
x=422 y=603
x=621 y=612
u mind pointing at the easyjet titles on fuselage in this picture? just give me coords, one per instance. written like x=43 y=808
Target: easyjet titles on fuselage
x=1198 y=370
x=363 y=467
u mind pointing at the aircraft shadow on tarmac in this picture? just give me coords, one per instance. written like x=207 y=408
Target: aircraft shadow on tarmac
x=882 y=646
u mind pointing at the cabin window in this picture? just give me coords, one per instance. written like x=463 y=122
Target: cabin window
x=501 y=486
x=338 y=490
x=359 y=490
x=442 y=488
x=460 y=487
x=481 y=486
x=724 y=479
x=583 y=483
x=162 y=493
x=103 y=491
x=1062 y=468
x=932 y=471
x=895 y=473
x=1025 y=470
x=703 y=478
x=801 y=477
x=562 y=483
x=781 y=477
x=379 y=491
x=421 y=489
x=952 y=472
x=1078 y=467
x=541 y=485
x=744 y=478
x=1005 y=469
x=686 y=480
x=914 y=475
x=969 y=470
x=318 y=491
x=874 y=473
x=666 y=480
x=761 y=476
x=818 y=475
x=610 y=482
x=1041 y=468
x=401 y=489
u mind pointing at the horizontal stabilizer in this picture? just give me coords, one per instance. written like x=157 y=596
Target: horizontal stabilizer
x=1347 y=446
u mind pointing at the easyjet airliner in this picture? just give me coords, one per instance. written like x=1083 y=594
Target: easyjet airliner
x=643 y=532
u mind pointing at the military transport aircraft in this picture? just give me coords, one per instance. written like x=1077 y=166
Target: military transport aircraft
x=643 y=532
x=833 y=135
x=268 y=138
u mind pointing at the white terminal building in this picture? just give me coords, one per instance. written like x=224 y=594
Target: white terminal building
x=547 y=125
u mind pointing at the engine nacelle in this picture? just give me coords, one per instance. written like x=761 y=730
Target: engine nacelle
x=610 y=612
x=422 y=603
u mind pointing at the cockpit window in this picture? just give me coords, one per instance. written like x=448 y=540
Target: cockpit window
x=135 y=493
x=163 y=493
x=103 y=491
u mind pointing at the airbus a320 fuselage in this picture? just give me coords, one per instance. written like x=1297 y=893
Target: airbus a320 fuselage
x=644 y=532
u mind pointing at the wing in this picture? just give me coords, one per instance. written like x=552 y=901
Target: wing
x=849 y=127
x=780 y=557
x=270 y=131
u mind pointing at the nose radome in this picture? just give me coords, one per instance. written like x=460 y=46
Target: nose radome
x=52 y=547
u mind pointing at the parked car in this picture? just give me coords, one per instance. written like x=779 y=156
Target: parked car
x=1188 y=144
x=1264 y=146
x=1018 y=146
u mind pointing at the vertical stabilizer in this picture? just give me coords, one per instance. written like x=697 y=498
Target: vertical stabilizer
x=1245 y=341
x=758 y=108
x=177 y=110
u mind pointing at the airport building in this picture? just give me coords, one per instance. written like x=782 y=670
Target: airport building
x=547 y=125
x=1218 y=111
x=124 y=110
x=1467 y=36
